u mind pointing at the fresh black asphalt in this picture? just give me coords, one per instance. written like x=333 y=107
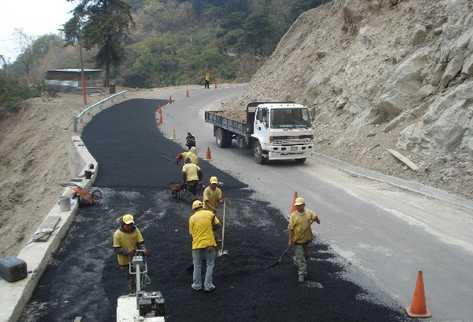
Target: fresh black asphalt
x=136 y=168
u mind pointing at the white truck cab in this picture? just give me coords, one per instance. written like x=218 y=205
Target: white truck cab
x=282 y=131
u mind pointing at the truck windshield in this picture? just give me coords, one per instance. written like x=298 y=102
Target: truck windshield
x=290 y=118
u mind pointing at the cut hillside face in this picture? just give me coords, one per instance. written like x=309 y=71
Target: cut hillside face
x=383 y=74
x=35 y=146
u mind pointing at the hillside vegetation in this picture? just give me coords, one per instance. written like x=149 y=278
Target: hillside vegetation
x=176 y=41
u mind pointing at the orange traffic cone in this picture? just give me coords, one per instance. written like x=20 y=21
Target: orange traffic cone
x=418 y=307
x=292 y=208
x=208 y=156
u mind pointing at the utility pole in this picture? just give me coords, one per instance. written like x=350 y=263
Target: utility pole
x=82 y=75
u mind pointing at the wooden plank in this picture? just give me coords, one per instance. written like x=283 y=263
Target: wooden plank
x=403 y=159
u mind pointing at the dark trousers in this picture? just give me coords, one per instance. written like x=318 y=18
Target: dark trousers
x=131 y=282
x=192 y=186
x=206 y=84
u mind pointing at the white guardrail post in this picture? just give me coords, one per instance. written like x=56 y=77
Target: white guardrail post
x=88 y=110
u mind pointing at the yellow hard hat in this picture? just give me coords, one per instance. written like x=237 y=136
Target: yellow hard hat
x=299 y=201
x=128 y=219
x=197 y=204
x=213 y=179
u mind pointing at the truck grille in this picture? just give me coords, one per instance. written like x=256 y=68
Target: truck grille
x=292 y=140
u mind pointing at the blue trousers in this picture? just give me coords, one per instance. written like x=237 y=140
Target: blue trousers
x=198 y=256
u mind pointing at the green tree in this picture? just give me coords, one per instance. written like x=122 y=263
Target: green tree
x=104 y=24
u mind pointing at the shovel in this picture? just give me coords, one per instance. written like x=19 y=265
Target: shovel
x=222 y=251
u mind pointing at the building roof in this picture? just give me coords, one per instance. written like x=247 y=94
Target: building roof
x=75 y=70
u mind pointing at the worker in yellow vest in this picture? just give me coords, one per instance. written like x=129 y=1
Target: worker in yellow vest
x=204 y=246
x=191 y=176
x=213 y=195
x=191 y=154
x=126 y=240
x=300 y=235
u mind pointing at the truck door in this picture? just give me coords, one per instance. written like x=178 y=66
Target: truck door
x=262 y=125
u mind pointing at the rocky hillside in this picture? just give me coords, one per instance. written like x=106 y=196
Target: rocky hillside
x=384 y=74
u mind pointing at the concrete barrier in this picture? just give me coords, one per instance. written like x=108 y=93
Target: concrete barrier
x=36 y=254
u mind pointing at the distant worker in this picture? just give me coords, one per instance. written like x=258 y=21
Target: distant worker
x=201 y=228
x=191 y=154
x=126 y=240
x=190 y=140
x=191 y=175
x=213 y=195
x=207 y=80
x=300 y=235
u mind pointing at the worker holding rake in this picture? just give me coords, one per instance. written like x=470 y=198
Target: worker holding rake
x=300 y=235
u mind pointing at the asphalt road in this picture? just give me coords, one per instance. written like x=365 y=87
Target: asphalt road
x=135 y=171
x=388 y=234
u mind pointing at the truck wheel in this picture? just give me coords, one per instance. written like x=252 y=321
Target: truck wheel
x=258 y=153
x=219 y=137
x=223 y=138
x=301 y=161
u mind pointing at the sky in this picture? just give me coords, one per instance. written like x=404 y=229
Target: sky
x=34 y=17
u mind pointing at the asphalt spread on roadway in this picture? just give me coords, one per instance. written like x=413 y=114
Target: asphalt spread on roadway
x=136 y=169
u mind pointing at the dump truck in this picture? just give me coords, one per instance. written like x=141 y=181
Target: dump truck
x=274 y=130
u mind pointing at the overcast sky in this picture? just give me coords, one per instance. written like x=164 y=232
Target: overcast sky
x=34 y=17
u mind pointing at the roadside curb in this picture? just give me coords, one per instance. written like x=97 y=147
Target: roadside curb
x=411 y=186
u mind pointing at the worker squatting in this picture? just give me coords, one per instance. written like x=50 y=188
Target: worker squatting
x=203 y=225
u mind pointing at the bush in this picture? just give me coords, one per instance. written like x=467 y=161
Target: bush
x=13 y=91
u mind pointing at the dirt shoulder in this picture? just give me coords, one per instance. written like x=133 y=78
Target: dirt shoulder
x=35 y=146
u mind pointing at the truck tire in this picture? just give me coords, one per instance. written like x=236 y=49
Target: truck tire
x=258 y=153
x=223 y=138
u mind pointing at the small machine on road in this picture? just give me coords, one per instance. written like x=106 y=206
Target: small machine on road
x=142 y=306
x=274 y=130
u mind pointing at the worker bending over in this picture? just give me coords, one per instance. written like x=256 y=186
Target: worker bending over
x=126 y=240
x=191 y=175
x=300 y=235
x=201 y=228
x=191 y=154
x=213 y=195
x=190 y=140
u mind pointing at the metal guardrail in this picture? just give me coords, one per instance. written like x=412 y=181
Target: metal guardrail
x=91 y=110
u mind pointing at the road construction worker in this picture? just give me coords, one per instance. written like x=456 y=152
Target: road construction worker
x=190 y=140
x=300 y=235
x=207 y=80
x=213 y=195
x=126 y=240
x=191 y=175
x=191 y=154
x=204 y=246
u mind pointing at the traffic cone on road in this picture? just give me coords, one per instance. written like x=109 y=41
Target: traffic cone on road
x=208 y=155
x=418 y=307
x=292 y=208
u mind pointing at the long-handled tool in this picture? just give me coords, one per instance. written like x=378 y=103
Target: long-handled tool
x=222 y=251
x=279 y=259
